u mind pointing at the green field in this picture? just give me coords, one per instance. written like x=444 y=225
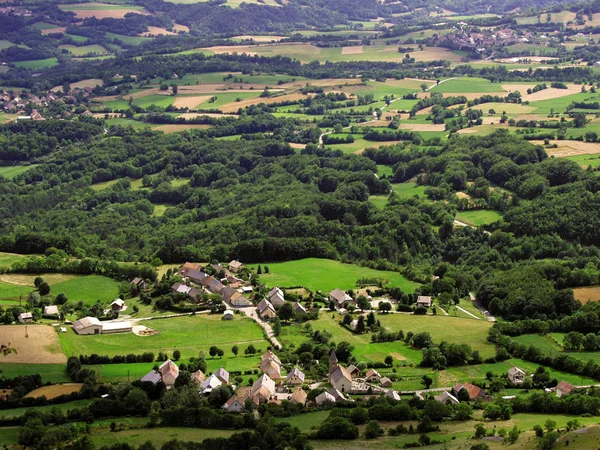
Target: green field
x=403 y=191
x=586 y=160
x=4 y=44
x=88 y=289
x=37 y=64
x=129 y=40
x=17 y=412
x=9 y=172
x=187 y=334
x=8 y=259
x=478 y=217
x=325 y=275
x=464 y=85
x=227 y=97
x=305 y=422
x=54 y=373
x=85 y=49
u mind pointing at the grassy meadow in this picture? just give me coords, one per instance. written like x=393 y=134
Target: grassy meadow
x=325 y=275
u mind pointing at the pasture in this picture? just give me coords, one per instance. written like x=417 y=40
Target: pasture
x=37 y=64
x=84 y=49
x=478 y=217
x=401 y=191
x=189 y=335
x=465 y=85
x=54 y=391
x=326 y=275
x=101 y=10
x=53 y=373
x=8 y=259
x=36 y=344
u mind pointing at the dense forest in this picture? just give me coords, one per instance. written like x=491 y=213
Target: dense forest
x=257 y=200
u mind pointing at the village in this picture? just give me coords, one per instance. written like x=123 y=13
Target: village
x=277 y=382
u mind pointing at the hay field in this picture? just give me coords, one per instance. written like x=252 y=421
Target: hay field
x=550 y=93
x=175 y=128
x=422 y=126
x=101 y=10
x=190 y=101
x=27 y=280
x=259 y=38
x=352 y=50
x=40 y=347
x=51 y=392
x=572 y=148
x=587 y=294
x=156 y=31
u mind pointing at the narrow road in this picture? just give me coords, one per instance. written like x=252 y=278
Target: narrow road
x=250 y=311
x=481 y=308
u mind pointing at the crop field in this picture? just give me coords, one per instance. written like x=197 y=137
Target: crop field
x=325 y=275
x=54 y=391
x=36 y=344
x=37 y=64
x=187 y=334
x=587 y=294
x=478 y=217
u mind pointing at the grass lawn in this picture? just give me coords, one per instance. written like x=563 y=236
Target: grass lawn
x=88 y=289
x=37 y=64
x=464 y=85
x=478 y=217
x=9 y=172
x=325 y=275
x=187 y=334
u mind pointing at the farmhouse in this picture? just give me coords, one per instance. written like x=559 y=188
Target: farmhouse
x=169 y=373
x=235 y=266
x=474 y=391
x=324 y=397
x=138 y=283
x=25 y=317
x=299 y=396
x=385 y=382
x=222 y=375
x=298 y=308
x=263 y=388
x=87 y=325
x=181 y=288
x=196 y=276
x=198 y=377
x=117 y=305
x=209 y=384
x=187 y=267
x=424 y=301
x=447 y=398
x=213 y=285
x=153 y=377
x=234 y=404
x=266 y=309
x=228 y=315
x=271 y=365
x=234 y=297
x=276 y=297
x=296 y=376
x=373 y=375
x=353 y=370
x=51 y=310
x=393 y=395
x=340 y=298
x=563 y=388
x=516 y=375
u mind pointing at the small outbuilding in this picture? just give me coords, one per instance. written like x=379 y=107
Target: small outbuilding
x=25 y=317
x=51 y=310
x=424 y=301
x=118 y=305
x=228 y=315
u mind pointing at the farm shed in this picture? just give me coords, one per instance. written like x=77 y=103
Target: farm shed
x=87 y=325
